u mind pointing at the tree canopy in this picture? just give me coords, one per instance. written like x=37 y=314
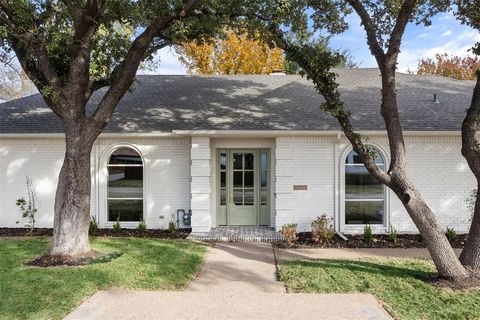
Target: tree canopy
x=236 y=53
x=456 y=67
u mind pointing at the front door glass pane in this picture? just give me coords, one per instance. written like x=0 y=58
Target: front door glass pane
x=248 y=179
x=238 y=197
x=249 y=158
x=238 y=161
x=238 y=179
x=248 y=195
x=243 y=178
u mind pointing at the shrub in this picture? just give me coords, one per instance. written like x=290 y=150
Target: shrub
x=116 y=226
x=93 y=228
x=28 y=208
x=172 y=226
x=289 y=232
x=142 y=226
x=367 y=234
x=322 y=229
x=451 y=234
x=393 y=236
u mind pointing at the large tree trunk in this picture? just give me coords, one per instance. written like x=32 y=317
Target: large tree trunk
x=470 y=256
x=72 y=200
x=442 y=253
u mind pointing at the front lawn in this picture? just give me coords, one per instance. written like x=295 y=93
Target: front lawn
x=398 y=284
x=39 y=293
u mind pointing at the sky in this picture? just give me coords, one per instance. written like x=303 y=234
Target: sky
x=445 y=34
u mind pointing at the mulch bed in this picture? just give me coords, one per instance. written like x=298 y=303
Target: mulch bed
x=22 y=232
x=472 y=282
x=356 y=241
x=57 y=261
x=151 y=233
x=93 y=257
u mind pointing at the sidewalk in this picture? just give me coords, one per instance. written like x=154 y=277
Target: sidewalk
x=237 y=281
x=350 y=253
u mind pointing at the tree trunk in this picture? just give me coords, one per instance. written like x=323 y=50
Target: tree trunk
x=470 y=256
x=72 y=200
x=442 y=253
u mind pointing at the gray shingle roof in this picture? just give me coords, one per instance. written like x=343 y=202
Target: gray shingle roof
x=162 y=103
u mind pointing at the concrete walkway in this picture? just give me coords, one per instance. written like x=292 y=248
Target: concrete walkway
x=238 y=267
x=347 y=253
x=237 y=281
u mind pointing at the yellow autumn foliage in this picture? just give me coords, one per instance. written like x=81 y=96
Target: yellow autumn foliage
x=236 y=54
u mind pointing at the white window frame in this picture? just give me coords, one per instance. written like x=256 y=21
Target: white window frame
x=103 y=183
x=359 y=228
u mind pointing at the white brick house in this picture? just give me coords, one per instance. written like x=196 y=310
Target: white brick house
x=247 y=150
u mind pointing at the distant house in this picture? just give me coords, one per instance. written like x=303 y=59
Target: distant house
x=246 y=150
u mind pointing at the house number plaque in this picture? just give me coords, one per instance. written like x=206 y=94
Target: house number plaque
x=300 y=187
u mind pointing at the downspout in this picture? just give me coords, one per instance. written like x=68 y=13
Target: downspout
x=335 y=179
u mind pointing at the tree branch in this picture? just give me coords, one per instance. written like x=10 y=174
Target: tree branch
x=371 y=30
x=85 y=25
x=325 y=84
x=398 y=30
x=17 y=36
x=131 y=62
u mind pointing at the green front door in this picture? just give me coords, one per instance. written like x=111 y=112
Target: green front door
x=242 y=198
x=243 y=188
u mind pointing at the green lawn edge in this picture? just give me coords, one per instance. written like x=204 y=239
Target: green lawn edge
x=52 y=293
x=399 y=284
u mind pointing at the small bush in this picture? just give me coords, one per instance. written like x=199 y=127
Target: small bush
x=93 y=228
x=142 y=226
x=322 y=229
x=116 y=226
x=367 y=234
x=289 y=232
x=451 y=234
x=28 y=208
x=172 y=226
x=393 y=236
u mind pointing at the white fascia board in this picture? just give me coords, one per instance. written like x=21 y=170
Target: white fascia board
x=231 y=133
x=280 y=133
x=102 y=135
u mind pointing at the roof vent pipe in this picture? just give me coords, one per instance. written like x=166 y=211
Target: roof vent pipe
x=435 y=100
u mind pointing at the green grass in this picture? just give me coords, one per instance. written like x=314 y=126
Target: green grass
x=399 y=284
x=51 y=293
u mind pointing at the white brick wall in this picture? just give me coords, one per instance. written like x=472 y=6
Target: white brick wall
x=201 y=184
x=41 y=160
x=167 y=176
x=434 y=164
x=284 y=162
x=179 y=174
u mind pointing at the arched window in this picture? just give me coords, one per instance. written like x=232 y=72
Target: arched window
x=364 y=195
x=125 y=185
